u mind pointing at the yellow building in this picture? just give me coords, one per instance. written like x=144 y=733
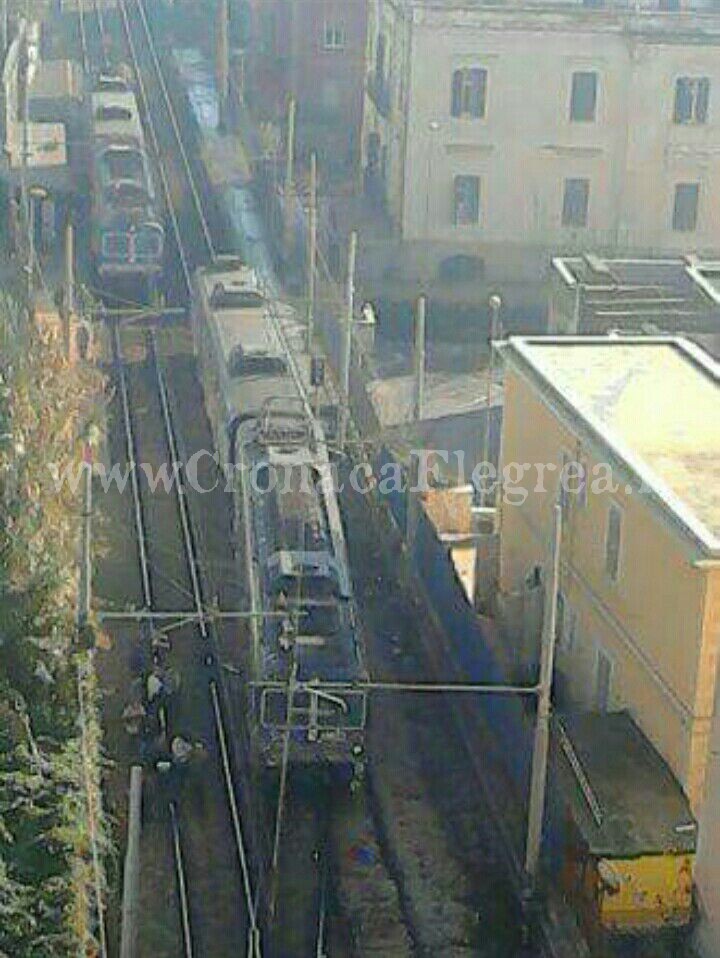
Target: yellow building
x=638 y=421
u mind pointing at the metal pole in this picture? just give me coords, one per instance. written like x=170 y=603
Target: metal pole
x=495 y=304
x=347 y=342
x=131 y=871
x=419 y=382
x=4 y=28
x=312 y=251
x=538 y=779
x=289 y=165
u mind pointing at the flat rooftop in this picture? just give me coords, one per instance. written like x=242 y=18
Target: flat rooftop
x=621 y=770
x=652 y=402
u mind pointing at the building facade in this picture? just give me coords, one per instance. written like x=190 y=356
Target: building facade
x=313 y=50
x=497 y=135
x=639 y=606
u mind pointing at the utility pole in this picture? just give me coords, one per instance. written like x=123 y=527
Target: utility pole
x=5 y=29
x=69 y=297
x=419 y=380
x=24 y=195
x=222 y=54
x=495 y=303
x=289 y=166
x=538 y=779
x=131 y=871
x=312 y=252
x=412 y=500
x=347 y=340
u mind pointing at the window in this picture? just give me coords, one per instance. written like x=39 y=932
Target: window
x=380 y=60
x=573 y=482
x=692 y=99
x=669 y=5
x=467 y=200
x=603 y=681
x=575 y=202
x=583 y=99
x=469 y=89
x=612 y=541
x=333 y=36
x=565 y=624
x=685 y=209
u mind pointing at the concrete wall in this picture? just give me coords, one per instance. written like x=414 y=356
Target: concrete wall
x=525 y=146
x=655 y=623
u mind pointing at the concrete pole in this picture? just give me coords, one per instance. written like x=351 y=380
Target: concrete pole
x=312 y=252
x=69 y=298
x=495 y=304
x=131 y=872
x=289 y=167
x=347 y=340
x=222 y=54
x=86 y=550
x=419 y=381
x=538 y=779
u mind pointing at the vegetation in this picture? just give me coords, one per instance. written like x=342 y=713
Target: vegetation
x=50 y=821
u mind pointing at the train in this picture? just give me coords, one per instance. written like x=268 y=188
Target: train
x=128 y=235
x=305 y=698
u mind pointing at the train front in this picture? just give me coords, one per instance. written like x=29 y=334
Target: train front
x=310 y=702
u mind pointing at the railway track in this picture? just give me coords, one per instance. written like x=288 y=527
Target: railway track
x=216 y=912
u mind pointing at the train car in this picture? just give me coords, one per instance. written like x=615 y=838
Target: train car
x=305 y=658
x=128 y=236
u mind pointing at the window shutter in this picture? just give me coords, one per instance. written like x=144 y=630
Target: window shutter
x=457 y=84
x=703 y=100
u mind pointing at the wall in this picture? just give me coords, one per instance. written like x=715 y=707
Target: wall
x=652 y=622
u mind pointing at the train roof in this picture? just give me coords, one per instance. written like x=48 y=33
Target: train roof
x=115 y=116
x=625 y=801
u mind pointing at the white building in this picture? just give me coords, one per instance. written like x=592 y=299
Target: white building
x=503 y=133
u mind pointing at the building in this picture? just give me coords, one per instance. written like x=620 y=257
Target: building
x=596 y=294
x=707 y=869
x=313 y=50
x=639 y=604
x=499 y=135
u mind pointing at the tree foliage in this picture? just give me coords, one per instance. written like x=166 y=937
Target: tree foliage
x=49 y=747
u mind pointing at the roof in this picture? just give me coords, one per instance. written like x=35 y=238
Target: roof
x=118 y=126
x=651 y=404
x=641 y=807
x=677 y=294
x=46 y=146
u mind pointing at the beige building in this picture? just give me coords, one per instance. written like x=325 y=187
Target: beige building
x=639 y=610
x=707 y=869
x=498 y=135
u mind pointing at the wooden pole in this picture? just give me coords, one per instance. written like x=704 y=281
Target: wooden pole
x=131 y=873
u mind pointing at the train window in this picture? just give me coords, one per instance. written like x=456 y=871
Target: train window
x=114 y=112
x=107 y=83
x=127 y=196
x=124 y=165
x=148 y=244
x=114 y=246
x=224 y=298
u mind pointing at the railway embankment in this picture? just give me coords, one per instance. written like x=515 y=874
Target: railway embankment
x=53 y=836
